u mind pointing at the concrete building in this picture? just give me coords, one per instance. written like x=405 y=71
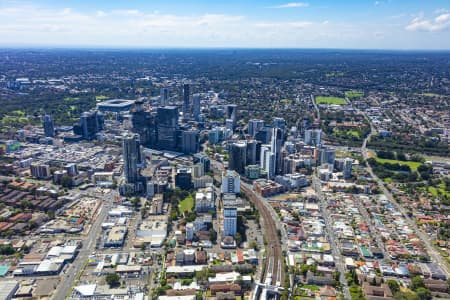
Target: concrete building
x=189 y=141
x=347 y=172
x=167 y=127
x=231 y=182
x=229 y=218
x=254 y=125
x=204 y=200
x=327 y=156
x=313 y=137
x=204 y=160
x=131 y=157
x=196 y=106
x=190 y=231
x=164 y=97
x=40 y=171
x=253 y=171
x=292 y=181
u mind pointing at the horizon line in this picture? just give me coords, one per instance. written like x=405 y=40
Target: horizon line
x=115 y=48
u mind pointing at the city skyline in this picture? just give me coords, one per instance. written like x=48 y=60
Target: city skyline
x=352 y=24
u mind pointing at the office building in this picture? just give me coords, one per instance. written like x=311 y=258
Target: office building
x=214 y=136
x=91 y=122
x=49 y=129
x=276 y=145
x=143 y=123
x=231 y=182
x=186 y=102
x=313 y=137
x=183 y=178
x=131 y=157
x=268 y=160
x=327 y=156
x=279 y=123
x=251 y=152
x=254 y=126
x=167 y=127
x=196 y=106
x=72 y=169
x=164 y=97
x=189 y=141
x=238 y=156
x=198 y=170
x=204 y=160
x=347 y=172
x=264 y=135
x=231 y=113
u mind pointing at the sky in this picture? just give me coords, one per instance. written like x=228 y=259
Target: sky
x=353 y=24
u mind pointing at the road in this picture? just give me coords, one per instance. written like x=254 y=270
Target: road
x=89 y=243
x=436 y=257
x=315 y=107
x=339 y=259
x=371 y=224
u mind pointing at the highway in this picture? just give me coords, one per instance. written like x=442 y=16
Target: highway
x=89 y=243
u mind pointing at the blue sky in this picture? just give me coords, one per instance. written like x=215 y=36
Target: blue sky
x=356 y=24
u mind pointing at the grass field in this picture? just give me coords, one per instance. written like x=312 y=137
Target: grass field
x=313 y=288
x=187 y=204
x=439 y=190
x=412 y=164
x=71 y=99
x=330 y=100
x=101 y=98
x=353 y=94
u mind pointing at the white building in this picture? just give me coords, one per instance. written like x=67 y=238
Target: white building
x=189 y=231
x=313 y=137
x=231 y=182
x=204 y=200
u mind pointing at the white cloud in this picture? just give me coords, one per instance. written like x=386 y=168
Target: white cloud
x=441 y=22
x=291 y=5
x=30 y=24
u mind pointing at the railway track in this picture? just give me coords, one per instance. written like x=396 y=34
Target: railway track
x=274 y=254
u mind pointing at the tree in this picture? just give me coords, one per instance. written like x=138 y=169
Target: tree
x=238 y=238
x=417 y=282
x=424 y=293
x=393 y=286
x=113 y=280
x=405 y=296
x=6 y=249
